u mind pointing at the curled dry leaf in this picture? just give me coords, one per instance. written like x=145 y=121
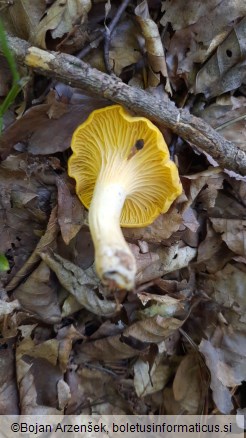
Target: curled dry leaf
x=170 y=259
x=154 y=47
x=198 y=30
x=212 y=252
x=143 y=260
x=148 y=380
x=175 y=258
x=164 y=305
x=225 y=70
x=66 y=336
x=70 y=212
x=233 y=232
x=81 y=284
x=38 y=295
x=154 y=329
x=60 y=19
x=124 y=47
x=7 y=308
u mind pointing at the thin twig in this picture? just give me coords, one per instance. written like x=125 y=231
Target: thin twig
x=106 y=36
x=109 y=31
x=71 y=70
x=230 y=122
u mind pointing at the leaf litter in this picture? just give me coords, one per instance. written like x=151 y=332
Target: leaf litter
x=176 y=344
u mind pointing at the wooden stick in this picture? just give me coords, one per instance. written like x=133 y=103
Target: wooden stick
x=68 y=69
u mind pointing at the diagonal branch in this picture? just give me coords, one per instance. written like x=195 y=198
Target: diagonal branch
x=77 y=73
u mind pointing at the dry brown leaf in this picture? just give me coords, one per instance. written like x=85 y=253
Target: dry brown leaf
x=21 y=17
x=38 y=295
x=36 y=125
x=175 y=258
x=143 y=260
x=225 y=70
x=81 y=284
x=227 y=115
x=221 y=393
x=60 y=19
x=172 y=407
x=164 y=305
x=66 y=336
x=233 y=232
x=70 y=212
x=190 y=219
x=7 y=308
x=170 y=259
x=63 y=393
x=36 y=370
x=46 y=241
x=227 y=287
x=124 y=48
x=161 y=229
x=199 y=29
x=84 y=398
x=212 y=252
x=9 y=404
x=108 y=349
x=24 y=208
x=204 y=186
x=148 y=380
x=187 y=385
x=154 y=329
x=154 y=47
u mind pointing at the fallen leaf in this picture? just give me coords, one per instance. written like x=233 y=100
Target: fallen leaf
x=221 y=394
x=188 y=391
x=161 y=229
x=109 y=349
x=38 y=295
x=9 y=403
x=198 y=30
x=70 y=212
x=233 y=232
x=148 y=380
x=7 y=308
x=225 y=70
x=21 y=18
x=80 y=284
x=46 y=241
x=164 y=305
x=60 y=19
x=154 y=47
x=154 y=329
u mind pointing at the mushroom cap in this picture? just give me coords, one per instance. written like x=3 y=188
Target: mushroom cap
x=138 y=157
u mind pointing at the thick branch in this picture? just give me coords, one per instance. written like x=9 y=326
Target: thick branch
x=75 y=72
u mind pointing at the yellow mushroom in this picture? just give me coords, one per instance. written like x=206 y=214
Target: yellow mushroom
x=125 y=177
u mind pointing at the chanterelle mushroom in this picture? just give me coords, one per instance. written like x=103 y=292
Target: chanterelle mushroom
x=125 y=177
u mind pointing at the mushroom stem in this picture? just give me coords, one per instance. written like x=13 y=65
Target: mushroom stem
x=115 y=264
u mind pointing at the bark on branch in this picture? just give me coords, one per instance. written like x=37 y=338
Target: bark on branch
x=77 y=73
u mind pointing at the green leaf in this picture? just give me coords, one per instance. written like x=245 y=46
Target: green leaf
x=4 y=264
